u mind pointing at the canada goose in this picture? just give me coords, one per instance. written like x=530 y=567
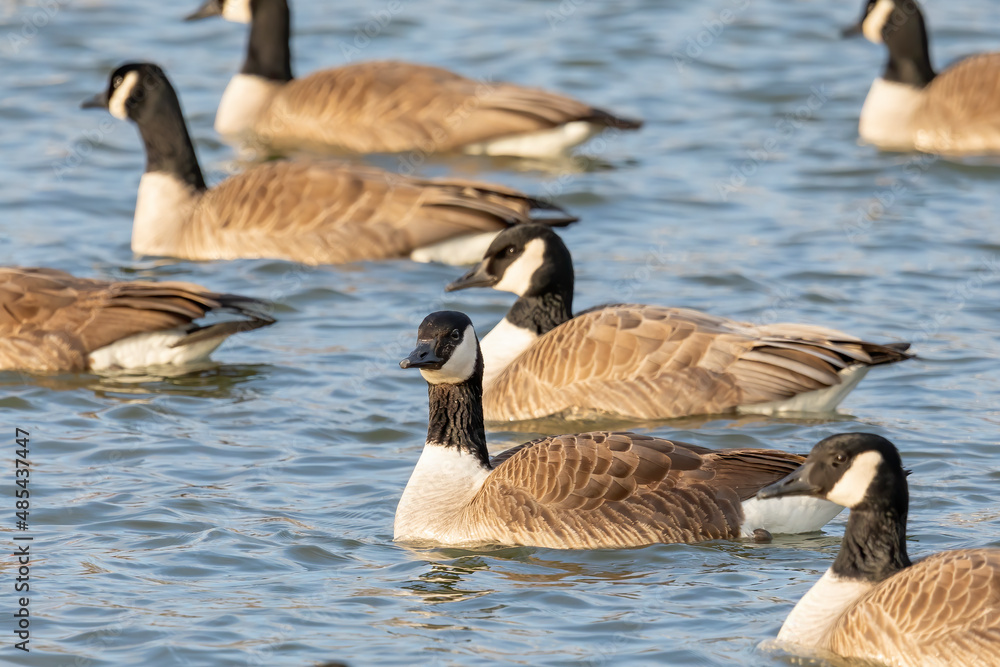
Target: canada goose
x=582 y=491
x=308 y=212
x=909 y=106
x=645 y=362
x=51 y=321
x=873 y=603
x=388 y=106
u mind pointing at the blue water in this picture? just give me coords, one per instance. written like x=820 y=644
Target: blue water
x=242 y=515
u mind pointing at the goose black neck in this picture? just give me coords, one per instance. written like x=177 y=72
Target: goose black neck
x=874 y=544
x=541 y=313
x=268 y=51
x=165 y=135
x=456 y=415
x=905 y=35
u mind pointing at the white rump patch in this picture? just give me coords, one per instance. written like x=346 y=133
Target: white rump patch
x=460 y=366
x=541 y=144
x=887 y=114
x=458 y=251
x=502 y=345
x=162 y=208
x=812 y=619
x=441 y=486
x=788 y=514
x=854 y=483
x=517 y=277
x=237 y=11
x=116 y=105
x=876 y=20
x=152 y=349
x=820 y=400
x=244 y=99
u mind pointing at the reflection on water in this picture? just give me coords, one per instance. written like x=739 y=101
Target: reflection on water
x=206 y=380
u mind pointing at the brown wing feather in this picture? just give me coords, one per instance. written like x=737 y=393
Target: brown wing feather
x=321 y=213
x=944 y=609
x=390 y=107
x=649 y=362
x=52 y=321
x=593 y=490
x=960 y=112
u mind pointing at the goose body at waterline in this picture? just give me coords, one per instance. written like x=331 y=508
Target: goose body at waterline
x=580 y=491
x=51 y=321
x=387 y=106
x=645 y=362
x=874 y=603
x=954 y=112
x=309 y=212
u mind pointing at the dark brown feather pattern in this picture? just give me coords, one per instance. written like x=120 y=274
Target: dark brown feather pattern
x=51 y=321
x=594 y=490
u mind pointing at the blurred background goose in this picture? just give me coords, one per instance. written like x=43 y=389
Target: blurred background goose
x=309 y=212
x=910 y=106
x=874 y=603
x=51 y=321
x=581 y=491
x=645 y=362
x=385 y=107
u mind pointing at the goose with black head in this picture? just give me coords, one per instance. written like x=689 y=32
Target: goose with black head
x=874 y=603
x=577 y=491
x=303 y=211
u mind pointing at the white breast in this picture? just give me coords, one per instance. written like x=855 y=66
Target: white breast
x=242 y=102
x=887 y=114
x=501 y=346
x=441 y=486
x=163 y=206
x=813 y=617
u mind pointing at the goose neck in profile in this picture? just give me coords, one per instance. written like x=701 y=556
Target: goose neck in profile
x=905 y=35
x=541 y=313
x=168 y=144
x=268 y=51
x=874 y=545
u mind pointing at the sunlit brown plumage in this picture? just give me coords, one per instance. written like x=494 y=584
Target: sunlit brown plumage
x=391 y=106
x=960 y=108
x=942 y=610
x=51 y=321
x=651 y=362
x=318 y=213
x=602 y=490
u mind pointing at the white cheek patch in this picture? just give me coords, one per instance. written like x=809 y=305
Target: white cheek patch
x=876 y=20
x=460 y=367
x=237 y=11
x=517 y=277
x=116 y=105
x=854 y=483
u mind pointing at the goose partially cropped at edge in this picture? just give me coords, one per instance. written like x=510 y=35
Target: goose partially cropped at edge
x=51 y=321
x=874 y=603
x=580 y=491
x=955 y=112
x=308 y=212
x=645 y=362
x=386 y=106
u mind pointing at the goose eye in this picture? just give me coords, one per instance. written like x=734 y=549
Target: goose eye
x=511 y=250
x=455 y=334
x=839 y=458
x=117 y=82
